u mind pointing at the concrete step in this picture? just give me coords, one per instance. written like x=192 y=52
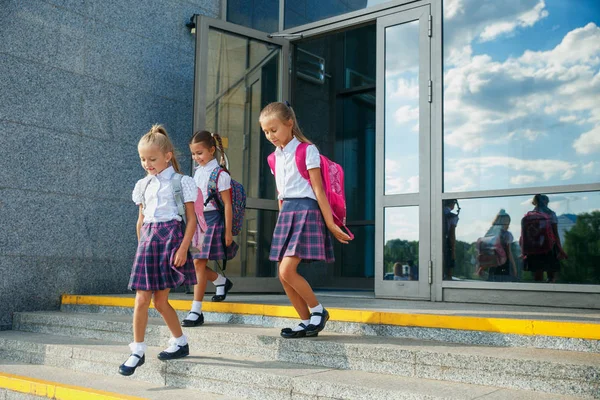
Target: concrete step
x=239 y=376
x=542 y=370
x=573 y=330
x=20 y=380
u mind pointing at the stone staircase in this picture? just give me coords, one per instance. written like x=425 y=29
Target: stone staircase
x=253 y=362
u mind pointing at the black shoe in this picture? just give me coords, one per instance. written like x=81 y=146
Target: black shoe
x=288 y=333
x=190 y=323
x=313 y=330
x=180 y=353
x=220 y=297
x=127 y=371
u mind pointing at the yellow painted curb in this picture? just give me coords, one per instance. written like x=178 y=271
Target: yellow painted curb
x=528 y=327
x=55 y=390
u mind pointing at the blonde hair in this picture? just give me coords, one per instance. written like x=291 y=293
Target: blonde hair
x=284 y=112
x=157 y=136
x=209 y=140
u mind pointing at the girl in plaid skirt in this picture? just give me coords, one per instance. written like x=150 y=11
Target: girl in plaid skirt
x=305 y=219
x=162 y=260
x=217 y=243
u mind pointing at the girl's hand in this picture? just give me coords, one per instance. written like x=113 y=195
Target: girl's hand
x=562 y=255
x=180 y=257
x=228 y=238
x=339 y=234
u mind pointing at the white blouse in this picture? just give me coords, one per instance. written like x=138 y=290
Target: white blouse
x=158 y=196
x=202 y=176
x=290 y=184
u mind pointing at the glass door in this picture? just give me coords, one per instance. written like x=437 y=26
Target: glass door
x=403 y=131
x=239 y=71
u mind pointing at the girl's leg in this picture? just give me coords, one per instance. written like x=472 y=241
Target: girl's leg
x=203 y=275
x=140 y=314
x=161 y=303
x=178 y=345
x=296 y=287
x=140 y=321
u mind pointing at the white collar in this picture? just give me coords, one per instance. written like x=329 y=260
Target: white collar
x=290 y=147
x=165 y=175
x=212 y=164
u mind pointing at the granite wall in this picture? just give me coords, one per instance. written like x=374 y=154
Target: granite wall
x=80 y=82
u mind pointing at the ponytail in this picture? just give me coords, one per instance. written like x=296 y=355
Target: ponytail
x=219 y=146
x=158 y=136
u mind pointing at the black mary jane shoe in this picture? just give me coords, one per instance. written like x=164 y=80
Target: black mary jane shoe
x=220 y=297
x=313 y=330
x=127 y=371
x=190 y=323
x=288 y=333
x=181 y=352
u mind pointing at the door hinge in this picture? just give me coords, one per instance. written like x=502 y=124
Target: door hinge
x=430 y=272
x=430 y=91
x=430 y=30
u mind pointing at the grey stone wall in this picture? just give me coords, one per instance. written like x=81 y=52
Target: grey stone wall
x=80 y=82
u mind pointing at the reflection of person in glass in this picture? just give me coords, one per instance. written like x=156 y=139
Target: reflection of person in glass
x=499 y=230
x=449 y=242
x=540 y=241
x=400 y=272
x=413 y=271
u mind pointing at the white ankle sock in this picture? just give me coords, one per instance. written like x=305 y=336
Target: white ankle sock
x=138 y=348
x=175 y=343
x=300 y=328
x=196 y=307
x=220 y=281
x=315 y=319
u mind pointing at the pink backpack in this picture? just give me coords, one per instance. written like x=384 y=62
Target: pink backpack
x=332 y=175
x=490 y=251
x=537 y=236
x=201 y=227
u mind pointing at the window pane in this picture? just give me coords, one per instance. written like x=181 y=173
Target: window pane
x=241 y=69
x=300 y=12
x=252 y=259
x=521 y=90
x=490 y=243
x=402 y=108
x=262 y=15
x=401 y=238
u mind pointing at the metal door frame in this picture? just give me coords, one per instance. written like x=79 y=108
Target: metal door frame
x=203 y=26
x=420 y=289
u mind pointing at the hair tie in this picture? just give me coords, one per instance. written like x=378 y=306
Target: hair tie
x=287 y=104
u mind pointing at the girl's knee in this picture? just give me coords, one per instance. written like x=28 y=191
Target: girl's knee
x=161 y=304
x=142 y=303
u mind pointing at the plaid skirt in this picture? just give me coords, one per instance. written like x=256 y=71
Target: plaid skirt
x=301 y=232
x=153 y=268
x=212 y=246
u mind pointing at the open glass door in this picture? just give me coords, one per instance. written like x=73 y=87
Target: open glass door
x=238 y=71
x=403 y=193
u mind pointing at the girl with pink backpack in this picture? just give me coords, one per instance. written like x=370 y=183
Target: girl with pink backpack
x=305 y=215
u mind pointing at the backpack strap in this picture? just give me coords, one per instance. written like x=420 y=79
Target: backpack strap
x=271 y=160
x=212 y=190
x=301 y=160
x=144 y=193
x=178 y=195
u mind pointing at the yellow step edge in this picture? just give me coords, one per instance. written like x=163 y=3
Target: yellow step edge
x=528 y=327
x=55 y=390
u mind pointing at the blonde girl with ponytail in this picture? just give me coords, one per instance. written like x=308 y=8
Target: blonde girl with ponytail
x=218 y=213
x=162 y=261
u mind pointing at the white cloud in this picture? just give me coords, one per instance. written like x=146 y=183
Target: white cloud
x=589 y=167
x=473 y=173
x=588 y=142
x=403 y=88
x=523 y=179
x=486 y=100
x=406 y=114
